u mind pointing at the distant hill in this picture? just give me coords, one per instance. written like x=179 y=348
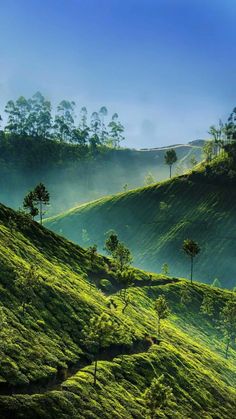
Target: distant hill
x=50 y=289
x=154 y=221
x=74 y=174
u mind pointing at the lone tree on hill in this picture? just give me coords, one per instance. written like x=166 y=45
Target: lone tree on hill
x=159 y=399
x=42 y=197
x=35 y=200
x=170 y=158
x=162 y=311
x=99 y=335
x=29 y=204
x=126 y=280
x=191 y=248
x=207 y=306
x=228 y=323
x=111 y=243
x=122 y=256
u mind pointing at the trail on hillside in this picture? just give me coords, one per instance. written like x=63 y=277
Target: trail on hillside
x=62 y=375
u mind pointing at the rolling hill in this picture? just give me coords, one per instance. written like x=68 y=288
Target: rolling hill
x=153 y=221
x=74 y=174
x=50 y=289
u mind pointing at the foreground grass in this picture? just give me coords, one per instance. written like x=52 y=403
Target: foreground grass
x=49 y=337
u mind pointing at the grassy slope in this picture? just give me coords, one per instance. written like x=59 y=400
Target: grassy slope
x=154 y=221
x=71 y=174
x=50 y=336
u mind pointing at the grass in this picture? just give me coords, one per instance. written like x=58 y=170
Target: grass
x=49 y=337
x=153 y=222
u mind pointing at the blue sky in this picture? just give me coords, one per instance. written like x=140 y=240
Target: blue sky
x=167 y=67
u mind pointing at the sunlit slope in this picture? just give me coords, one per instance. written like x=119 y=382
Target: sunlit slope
x=154 y=221
x=40 y=347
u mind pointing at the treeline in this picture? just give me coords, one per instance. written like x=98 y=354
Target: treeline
x=34 y=117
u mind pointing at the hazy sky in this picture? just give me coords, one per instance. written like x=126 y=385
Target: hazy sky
x=167 y=67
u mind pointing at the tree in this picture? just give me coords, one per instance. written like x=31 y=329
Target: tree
x=27 y=284
x=41 y=198
x=111 y=243
x=159 y=399
x=39 y=121
x=64 y=120
x=149 y=179
x=208 y=150
x=126 y=280
x=29 y=204
x=125 y=187
x=165 y=269
x=228 y=323
x=191 y=248
x=207 y=306
x=122 y=256
x=92 y=252
x=216 y=283
x=170 y=158
x=99 y=334
x=193 y=160
x=185 y=295
x=103 y=113
x=162 y=311
x=116 y=131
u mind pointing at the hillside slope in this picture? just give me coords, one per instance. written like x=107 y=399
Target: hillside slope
x=154 y=221
x=75 y=174
x=45 y=368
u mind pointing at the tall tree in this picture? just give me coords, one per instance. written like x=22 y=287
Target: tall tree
x=126 y=280
x=160 y=399
x=170 y=158
x=111 y=243
x=41 y=198
x=122 y=256
x=98 y=335
x=29 y=204
x=191 y=248
x=116 y=131
x=228 y=323
x=162 y=311
x=103 y=113
x=64 y=120
x=40 y=118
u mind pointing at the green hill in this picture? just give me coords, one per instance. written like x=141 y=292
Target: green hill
x=153 y=222
x=46 y=367
x=74 y=174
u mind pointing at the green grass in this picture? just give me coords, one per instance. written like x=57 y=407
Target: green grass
x=50 y=336
x=154 y=221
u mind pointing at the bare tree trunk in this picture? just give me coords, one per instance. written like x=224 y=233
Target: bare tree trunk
x=170 y=170
x=41 y=212
x=191 y=276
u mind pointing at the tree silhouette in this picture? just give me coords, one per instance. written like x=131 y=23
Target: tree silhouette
x=162 y=311
x=98 y=335
x=29 y=204
x=228 y=323
x=159 y=399
x=191 y=248
x=170 y=158
x=41 y=197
